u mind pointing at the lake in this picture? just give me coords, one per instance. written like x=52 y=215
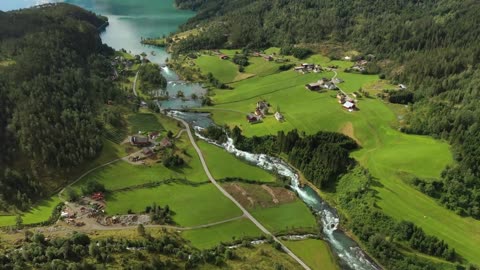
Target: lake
x=130 y=20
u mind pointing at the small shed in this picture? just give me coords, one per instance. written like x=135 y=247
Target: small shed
x=349 y=105
x=278 y=116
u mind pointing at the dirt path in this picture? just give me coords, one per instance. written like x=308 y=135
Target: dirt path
x=135 y=84
x=226 y=194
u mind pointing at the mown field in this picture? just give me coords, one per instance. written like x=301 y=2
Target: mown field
x=223 y=164
x=286 y=217
x=39 y=213
x=223 y=70
x=205 y=238
x=122 y=174
x=390 y=155
x=315 y=253
x=193 y=205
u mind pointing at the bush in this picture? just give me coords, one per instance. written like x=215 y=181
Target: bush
x=92 y=187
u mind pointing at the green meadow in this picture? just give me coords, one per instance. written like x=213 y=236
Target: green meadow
x=209 y=237
x=223 y=70
x=122 y=174
x=391 y=156
x=39 y=213
x=315 y=253
x=145 y=122
x=223 y=164
x=193 y=205
x=285 y=217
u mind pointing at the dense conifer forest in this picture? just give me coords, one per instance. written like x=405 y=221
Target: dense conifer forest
x=50 y=96
x=431 y=46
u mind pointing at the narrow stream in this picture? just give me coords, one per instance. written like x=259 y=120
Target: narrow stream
x=350 y=254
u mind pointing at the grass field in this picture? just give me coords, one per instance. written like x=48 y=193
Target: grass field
x=223 y=70
x=122 y=174
x=212 y=236
x=223 y=164
x=286 y=217
x=315 y=253
x=386 y=152
x=145 y=122
x=193 y=205
x=39 y=213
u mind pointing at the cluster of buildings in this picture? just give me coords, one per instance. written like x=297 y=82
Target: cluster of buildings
x=149 y=144
x=346 y=102
x=306 y=68
x=324 y=83
x=261 y=111
x=360 y=66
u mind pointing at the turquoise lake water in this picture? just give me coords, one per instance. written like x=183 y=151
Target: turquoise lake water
x=130 y=20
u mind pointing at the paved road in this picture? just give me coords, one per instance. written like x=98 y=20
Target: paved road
x=245 y=212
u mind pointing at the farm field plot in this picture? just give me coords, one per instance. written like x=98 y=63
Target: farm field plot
x=223 y=70
x=223 y=164
x=286 y=217
x=122 y=174
x=144 y=122
x=193 y=205
x=386 y=152
x=39 y=213
x=315 y=253
x=227 y=232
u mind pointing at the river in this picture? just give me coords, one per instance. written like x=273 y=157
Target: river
x=350 y=254
x=129 y=21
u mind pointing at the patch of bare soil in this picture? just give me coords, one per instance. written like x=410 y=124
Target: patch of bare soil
x=348 y=130
x=251 y=195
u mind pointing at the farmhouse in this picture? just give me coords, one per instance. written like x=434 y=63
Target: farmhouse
x=252 y=118
x=139 y=141
x=268 y=58
x=223 y=56
x=314 y=86
x=321 y=84
x=262 y=108
x=279 y=116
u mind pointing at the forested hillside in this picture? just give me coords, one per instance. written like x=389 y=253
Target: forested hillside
x=50 y=96
x=431 y=46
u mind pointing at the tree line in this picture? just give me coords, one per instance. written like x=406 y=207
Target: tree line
x=321 y=157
